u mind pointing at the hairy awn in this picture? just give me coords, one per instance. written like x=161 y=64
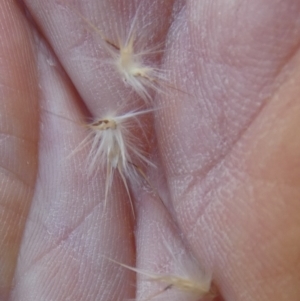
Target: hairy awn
x=132 y=64
x=115 y=147
x=185 y=276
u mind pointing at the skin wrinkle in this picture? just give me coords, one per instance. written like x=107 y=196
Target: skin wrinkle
x=10 y=173
x=225 y=153
x=65 y=236
x=9 y=135
x=199 y=219
x=181 y=206
x=18 y=212
x=219 y=161
x=285 y=64
x=39 y=259
x=22 y=143
x=200 y=216
x=209 y=169
x=67 y=231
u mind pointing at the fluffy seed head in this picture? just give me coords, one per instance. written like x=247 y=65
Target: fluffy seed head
x=115 y=147
x=133 y=68
x=193 y=288
x=131 y=59
x=185 y=278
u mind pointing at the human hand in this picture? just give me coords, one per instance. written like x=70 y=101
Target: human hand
x=228 y=150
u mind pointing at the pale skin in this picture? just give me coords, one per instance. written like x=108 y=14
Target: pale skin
x=229 y=150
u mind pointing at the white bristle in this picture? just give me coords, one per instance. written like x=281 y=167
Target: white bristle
x=113 y=146
x=132 y=60
x=184 y=278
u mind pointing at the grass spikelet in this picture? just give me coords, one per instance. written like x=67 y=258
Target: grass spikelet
x=114 y=146
x=185 y=278
x=191 y=287
x=132 y=59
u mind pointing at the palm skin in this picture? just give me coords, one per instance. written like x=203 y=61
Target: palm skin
x=229 y=152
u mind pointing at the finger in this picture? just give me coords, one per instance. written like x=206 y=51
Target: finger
x=234 y=56
x=70 y=228
x=19 y=135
